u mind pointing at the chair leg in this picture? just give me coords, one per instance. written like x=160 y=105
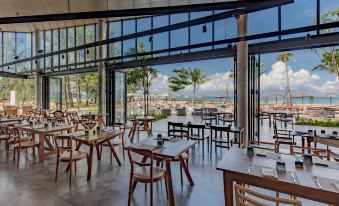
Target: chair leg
x=181 y=174
x=33 y=152
x=57 y=170
x=17 y=165
x=75 y=167
x=133 y=186
x=70 y=173
x=130 y=190
x=14 y=153
x=151 y=195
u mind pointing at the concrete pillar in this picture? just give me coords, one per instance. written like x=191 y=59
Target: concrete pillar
x=242 y=75
x=101 y=68
x=38 y=78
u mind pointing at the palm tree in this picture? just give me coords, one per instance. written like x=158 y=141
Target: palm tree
x=197 y=77
x=330 y=62
x=230 y=76
x=285 y=57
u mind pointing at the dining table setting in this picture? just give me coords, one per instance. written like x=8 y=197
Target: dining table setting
x=306 y=176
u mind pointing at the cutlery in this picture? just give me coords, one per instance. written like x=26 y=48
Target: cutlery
x=293 y=176
x=317 y=182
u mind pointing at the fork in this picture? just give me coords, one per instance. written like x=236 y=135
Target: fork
x=317 y=182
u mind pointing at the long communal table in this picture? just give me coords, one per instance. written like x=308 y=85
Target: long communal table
x=312 y=182
x=42 y=131
x=95 y=140
x=171 y=150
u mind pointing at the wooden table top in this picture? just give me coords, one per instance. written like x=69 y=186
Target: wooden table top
x=40 y=128
x=171 y=149
x=232 y=128
x=237 y=161
x=90 y=138
x=8 y=119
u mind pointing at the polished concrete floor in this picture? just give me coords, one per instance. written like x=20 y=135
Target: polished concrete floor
x=33 y=183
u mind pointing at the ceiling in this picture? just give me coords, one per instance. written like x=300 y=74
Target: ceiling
x=23 y=8
x=32 y=15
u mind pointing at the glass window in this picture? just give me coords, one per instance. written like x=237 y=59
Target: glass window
x=56 y=47
x=90 y=38
x=80 y=54
x=48 y=48
x=23 y=50
x=71 y=43
x=144 y=43
x=298 y=14
x=130 y=44
x=160 y=40
x=115 y=31
x=263 y=21
x=63 y=45
x=326 y=14
x=179 y=37
x=41 y=49
x=1 y=62
x=201 y=34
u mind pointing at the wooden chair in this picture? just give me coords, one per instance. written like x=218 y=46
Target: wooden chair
x=197 y=132
x=144 y=171
x=176 y=129
x=21 y=142
x=119 y=141
x=59 y=116
x=283 y=137
x=4 y=136
x=66 y=154
x=247 y=197
x=220 y=140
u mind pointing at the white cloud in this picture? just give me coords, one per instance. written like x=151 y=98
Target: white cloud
x=301 y=81
x=274 y=81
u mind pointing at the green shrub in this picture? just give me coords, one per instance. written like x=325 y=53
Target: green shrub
x=159 y=116
x=318 y=122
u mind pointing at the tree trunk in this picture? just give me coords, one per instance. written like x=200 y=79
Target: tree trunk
x=78 y=91
x=70 y=96
x=193 y=99
x=288 y=88
x=87 y=96
x=66 y=94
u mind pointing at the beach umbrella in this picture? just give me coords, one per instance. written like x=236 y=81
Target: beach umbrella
x=276 y=96
x=301 y=96
x=221 y=98
x=331 y=95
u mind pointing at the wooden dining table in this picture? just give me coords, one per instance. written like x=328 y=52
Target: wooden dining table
x=95 y=140
x=311 y=182
x=137 y=121
x=5 y=119
x=42 y=131
x=172 y=149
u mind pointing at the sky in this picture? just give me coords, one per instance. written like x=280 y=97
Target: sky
x=303 y=80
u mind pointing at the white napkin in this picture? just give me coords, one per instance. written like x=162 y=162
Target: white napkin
x=336 y=185
x=267 y=172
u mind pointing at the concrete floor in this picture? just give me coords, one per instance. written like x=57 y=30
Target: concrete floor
x=33 y=183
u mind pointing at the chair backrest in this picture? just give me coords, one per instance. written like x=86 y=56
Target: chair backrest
x=247 y=197
x=58 y=114
x=197 y=129
x=215 y=129
x=89 y=125
x=145 y=154
x=62 y=146
x=101 y=121
x=175 y=129
x=14 y=133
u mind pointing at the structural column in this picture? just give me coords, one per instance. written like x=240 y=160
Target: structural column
x=242 y=77
x=38 y=78
x=101 y=68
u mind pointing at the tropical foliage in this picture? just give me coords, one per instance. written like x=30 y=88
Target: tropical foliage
x=285 y=57
x=318 y=122
x=179 y=81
